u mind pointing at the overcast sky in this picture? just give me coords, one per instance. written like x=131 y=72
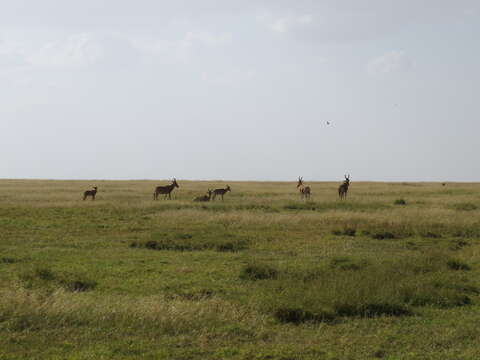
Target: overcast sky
x=121 y=89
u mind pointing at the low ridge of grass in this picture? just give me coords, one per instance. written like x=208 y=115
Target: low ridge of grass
x=186 y=242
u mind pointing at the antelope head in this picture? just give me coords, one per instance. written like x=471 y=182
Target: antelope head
x=300 y=182
x=228 y=188
x=174 y=182
x=347 y=179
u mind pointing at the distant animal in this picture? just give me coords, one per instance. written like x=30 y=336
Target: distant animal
x=304 y=190
x=220 y=192
x=443 y=184
x=165 y=190
x=204 y=197
x=91 y=193
x=343 y=189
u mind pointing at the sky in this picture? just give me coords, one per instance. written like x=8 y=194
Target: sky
x=240 y=90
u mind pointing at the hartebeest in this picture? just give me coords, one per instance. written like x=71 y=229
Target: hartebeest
x=343 y=189
x=304 y=190
x=91 y=193
x=167 y=190
x=221 y=192
x=204 y=197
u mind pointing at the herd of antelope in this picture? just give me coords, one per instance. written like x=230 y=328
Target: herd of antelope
x=305 y=191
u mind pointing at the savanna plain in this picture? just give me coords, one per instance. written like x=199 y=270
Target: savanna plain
x=392 y=272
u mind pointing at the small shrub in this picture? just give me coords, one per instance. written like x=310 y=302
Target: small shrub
x=151 y=244
x=297 y=316
x=345 y=232
x=383 y=236
x=258 y=272
x=349 y=232
x=457 y=265
x=400 y=202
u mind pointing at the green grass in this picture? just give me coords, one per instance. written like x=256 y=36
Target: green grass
x=261 y=275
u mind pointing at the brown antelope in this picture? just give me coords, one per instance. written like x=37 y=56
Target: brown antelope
x=91 y=193
x=343 y=189
x=221 y=192
x=167 y=190
x=304 y=190
x=204 y=197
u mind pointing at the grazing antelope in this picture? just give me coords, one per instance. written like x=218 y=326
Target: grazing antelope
x=91 y=193
x=343 y=189
x=204 y=197
x=304 y=190
x=221 y=192
x=167 y=190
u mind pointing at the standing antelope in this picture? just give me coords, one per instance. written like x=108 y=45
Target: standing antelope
x=204 y=197
x=304 y=190
x=343 y=189
x=91 y=193
x=167 y=190
x=221 y=192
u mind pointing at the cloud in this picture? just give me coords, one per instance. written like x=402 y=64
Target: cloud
x=76 y=50
x=83 y=50
x=286 y=24
x=392 y=62
x=181 y=50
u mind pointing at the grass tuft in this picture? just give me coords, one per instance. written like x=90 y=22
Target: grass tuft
x=383 y=235
x=345 y=232
x=455 y=264
x=258 y=272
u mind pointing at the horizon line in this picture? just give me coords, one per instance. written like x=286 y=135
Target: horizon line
x=231 y=180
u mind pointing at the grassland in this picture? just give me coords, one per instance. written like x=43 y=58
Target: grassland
x=391 y=273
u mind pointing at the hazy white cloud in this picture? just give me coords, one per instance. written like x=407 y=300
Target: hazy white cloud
x=182 y=49
x=228 y=77
x=284 y=24
x=76 y=50
x=390 y=62
x=82 y=50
